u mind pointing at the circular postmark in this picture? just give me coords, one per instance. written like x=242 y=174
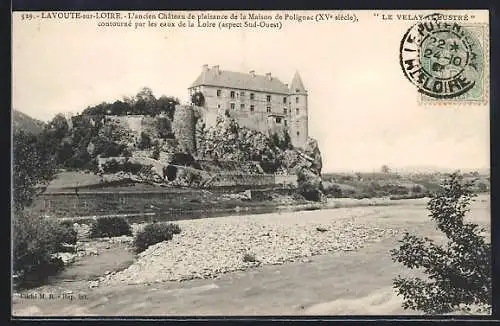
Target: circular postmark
x=443 y=59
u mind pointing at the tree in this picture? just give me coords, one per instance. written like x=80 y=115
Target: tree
x=458 y=273
x=58 y=126
x=198 y=99
x=155 y=155
x=145 y=141
x=32 y=167
x=482 y=187
x=167 y=104
x=385 y=169
x=164 y=128
x=287 y=141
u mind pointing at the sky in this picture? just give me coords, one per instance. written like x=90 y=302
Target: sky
x=362 y=110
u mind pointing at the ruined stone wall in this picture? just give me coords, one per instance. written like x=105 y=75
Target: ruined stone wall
x=226 y=179
x=184 y=127
x=136 y=124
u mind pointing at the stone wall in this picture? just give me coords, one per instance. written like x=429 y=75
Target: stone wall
x=285 y=180
x=226 y=180
x=135 y=123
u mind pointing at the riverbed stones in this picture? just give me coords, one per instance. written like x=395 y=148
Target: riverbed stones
x=207 y=248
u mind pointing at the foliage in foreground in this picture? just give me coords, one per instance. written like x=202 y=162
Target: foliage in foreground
x=458 y=273
x=32 y=166
x=35 y=240
x=113 y=226
x=154 y=233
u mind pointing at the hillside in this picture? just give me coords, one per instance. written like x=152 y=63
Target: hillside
x=22 y=121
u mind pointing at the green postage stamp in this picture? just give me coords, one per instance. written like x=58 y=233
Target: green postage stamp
x=447 y=61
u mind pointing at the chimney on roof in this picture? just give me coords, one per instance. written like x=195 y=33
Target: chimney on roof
x=205 y=68
x=216 y=68
x=252 y=73
x=268 y=76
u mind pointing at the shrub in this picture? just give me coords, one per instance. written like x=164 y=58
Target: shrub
x=64 y=233
x=145 y=141
x=458 y=273
x=332 y=189
x=111 y=166
x=155 y=155
x=110 y=227
x=154 y=233
x=249 y=258
x=174 y=228
x=34 y=242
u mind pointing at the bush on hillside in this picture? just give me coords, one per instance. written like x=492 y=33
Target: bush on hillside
x=145 y=141
x=34 y=242
x=458 y=273
x=154 y=233
x=113 y=226
x=155 y=155
x=114 y=166
x=164 y=128
x=332 y=190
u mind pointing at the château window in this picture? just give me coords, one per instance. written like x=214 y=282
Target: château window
x=219 y=92
x=268 y=109
x=252 y=108
x=278 y=120
x=268 y=97
x=218 y=106
x=284 y=100
x=232 y=106
x=285 y=111
x=284 y=121
x=297 y=90
x=252 y=96
x=242 y=106
x=298 y=133
x=232 y=94
x=297 y=111
x=242 y=93
x=297 y=99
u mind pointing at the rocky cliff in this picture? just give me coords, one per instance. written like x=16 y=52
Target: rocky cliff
x=227 y=141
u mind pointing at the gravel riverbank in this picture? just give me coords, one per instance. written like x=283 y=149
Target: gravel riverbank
x=207 y=248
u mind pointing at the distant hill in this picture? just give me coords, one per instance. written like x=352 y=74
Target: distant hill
x=21 y=121
x=434 y=169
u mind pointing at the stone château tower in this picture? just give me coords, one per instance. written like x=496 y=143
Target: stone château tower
x=299 y=112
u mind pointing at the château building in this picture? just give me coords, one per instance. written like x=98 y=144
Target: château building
x=258 y=102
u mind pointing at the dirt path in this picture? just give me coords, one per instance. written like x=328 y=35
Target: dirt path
x=340 y=283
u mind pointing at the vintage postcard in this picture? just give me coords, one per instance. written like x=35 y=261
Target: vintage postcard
x=251 y=163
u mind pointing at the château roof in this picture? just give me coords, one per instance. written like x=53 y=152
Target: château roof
x=297 y=87
x=238 y=80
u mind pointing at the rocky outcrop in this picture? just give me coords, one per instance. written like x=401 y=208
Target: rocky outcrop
x=227 y=141
x=312 y=150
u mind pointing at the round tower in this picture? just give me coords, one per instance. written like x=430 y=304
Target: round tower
x=299 y=122
x=183 y=127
